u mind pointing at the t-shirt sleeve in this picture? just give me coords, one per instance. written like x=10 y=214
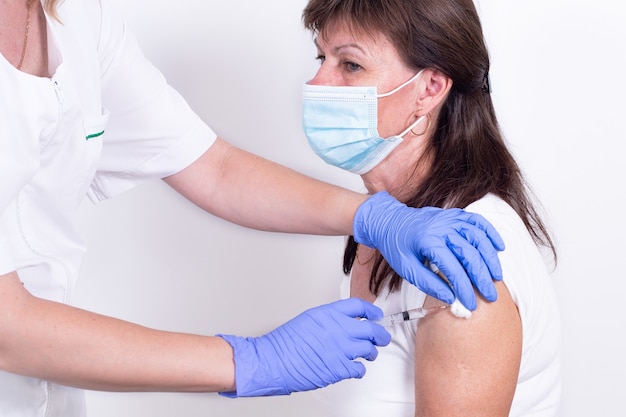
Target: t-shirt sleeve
x=152 y=132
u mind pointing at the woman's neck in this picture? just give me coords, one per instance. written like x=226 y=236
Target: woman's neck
x=402 y=172
x=23 y=40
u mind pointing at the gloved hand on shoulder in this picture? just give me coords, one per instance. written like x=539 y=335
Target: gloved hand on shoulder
x=462 y=245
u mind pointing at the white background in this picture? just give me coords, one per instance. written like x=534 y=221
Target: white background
x=558 y=78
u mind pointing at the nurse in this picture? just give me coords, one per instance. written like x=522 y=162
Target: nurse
x=83 y=113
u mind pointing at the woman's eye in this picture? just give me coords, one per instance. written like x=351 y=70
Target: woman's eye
x=320 y=59
x=352 y=67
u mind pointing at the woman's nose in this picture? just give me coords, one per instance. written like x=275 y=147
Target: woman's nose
x=323 y=76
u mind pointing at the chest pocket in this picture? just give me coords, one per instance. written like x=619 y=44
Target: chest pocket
x=95 y=126
x=94 y=132
x=92 y=137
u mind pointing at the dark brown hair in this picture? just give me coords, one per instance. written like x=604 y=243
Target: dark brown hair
x=468 y=153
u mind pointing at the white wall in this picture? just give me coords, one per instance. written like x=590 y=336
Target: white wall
x=557 y=74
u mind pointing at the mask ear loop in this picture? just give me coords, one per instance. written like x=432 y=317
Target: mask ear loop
x=413 y=78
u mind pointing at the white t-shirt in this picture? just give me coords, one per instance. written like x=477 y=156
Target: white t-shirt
x=104 y=122
x=388 y=388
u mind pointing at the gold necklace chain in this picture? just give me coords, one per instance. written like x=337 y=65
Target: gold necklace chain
x=29 y=7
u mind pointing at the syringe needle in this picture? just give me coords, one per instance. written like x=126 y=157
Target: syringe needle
x=407 y=315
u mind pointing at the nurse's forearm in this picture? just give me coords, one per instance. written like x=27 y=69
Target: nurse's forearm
x=58 y=343
x=254 y=192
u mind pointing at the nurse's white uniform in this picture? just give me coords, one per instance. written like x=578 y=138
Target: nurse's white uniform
x=105 y=121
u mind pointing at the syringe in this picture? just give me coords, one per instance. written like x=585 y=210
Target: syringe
x=413 y=314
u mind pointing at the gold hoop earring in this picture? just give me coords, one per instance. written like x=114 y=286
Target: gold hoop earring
x=427 y=126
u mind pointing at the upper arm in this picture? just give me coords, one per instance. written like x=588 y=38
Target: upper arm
x=219 y=180
x=12 y=299
x=252 y=191
x=468 y=367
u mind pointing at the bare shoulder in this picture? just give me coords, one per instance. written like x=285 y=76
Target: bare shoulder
x=468 y=366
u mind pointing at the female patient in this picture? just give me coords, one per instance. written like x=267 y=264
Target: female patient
x=402 y=98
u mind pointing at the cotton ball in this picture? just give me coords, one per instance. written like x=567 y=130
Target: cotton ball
x=459 y=310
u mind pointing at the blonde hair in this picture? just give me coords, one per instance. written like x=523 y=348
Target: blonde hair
x=51 y=7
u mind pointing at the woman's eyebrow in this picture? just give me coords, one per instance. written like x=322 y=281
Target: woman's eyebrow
x=338 y=48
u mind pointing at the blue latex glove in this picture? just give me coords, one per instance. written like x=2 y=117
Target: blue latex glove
x=457 y=242
x=313 y=350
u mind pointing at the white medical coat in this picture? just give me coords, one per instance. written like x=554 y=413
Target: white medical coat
x=105 y=121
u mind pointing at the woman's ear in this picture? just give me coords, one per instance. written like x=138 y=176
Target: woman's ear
x=434 y=88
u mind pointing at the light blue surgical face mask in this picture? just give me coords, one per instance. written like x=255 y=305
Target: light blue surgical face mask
x=341 y=125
